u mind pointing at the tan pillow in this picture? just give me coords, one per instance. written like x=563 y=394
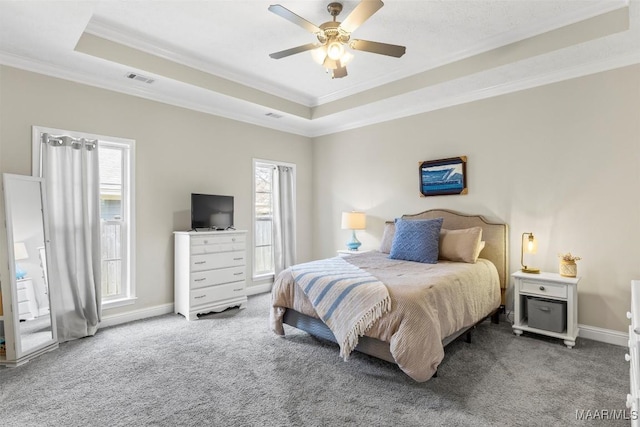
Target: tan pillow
x=387 y=237
x=480 y=248
x=460 y=245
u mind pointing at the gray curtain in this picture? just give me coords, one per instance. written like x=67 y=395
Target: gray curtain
x=284 y=227
x=70 y=169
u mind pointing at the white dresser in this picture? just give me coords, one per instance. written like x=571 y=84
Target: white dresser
x=27 y=306
x=633 y=398
x=210 y=271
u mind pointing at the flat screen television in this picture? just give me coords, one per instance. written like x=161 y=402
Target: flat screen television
x=211 y=211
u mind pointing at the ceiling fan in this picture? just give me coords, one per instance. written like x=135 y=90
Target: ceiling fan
x=333 y=36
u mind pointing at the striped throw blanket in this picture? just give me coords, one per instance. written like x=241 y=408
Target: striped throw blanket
x=348 y=299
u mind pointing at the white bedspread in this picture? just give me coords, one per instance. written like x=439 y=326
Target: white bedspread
x=429 y=302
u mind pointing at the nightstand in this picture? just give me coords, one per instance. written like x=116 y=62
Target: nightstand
x=346 y=252
x=552 y=298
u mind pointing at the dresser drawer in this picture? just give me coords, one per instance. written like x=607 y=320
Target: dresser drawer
x=201 y=279
x=22 y=295
x=217 y=293
x=217 y=240
x=217 y=260
x=217 y=247
x=23 y=308
x=543 y=289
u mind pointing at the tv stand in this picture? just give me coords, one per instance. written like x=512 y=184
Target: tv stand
x=210 y=271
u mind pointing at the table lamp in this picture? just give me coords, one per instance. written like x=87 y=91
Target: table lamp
x=353 y=221
x=530 y=246
x=19 y=253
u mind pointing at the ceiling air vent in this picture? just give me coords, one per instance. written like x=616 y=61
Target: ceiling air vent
x=274 y=115
x=140 y=78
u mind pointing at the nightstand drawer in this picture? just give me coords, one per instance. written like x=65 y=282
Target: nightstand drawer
x=543 y=289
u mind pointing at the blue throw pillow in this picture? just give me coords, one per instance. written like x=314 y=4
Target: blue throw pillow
x=416 y=240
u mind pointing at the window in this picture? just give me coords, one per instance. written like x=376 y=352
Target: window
x=263 y=219
x=116 y=221
x=117 y=214
x=273 y=183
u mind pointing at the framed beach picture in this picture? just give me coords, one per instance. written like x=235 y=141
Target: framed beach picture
x=444 y=176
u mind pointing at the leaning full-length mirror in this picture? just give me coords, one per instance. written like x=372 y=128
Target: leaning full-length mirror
x=32 y=319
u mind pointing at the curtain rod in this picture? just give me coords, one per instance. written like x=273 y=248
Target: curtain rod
x=60 y=140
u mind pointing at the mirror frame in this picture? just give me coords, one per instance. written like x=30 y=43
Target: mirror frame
x=16 y=356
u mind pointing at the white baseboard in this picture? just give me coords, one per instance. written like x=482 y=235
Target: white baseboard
x=604 y=335
x=589 y=332
x=117 y=319
x=159 y=310
x=259 y=289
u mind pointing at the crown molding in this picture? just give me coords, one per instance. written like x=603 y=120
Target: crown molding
x=133 y=40
x=221 y=108
x=308 y=128
x=483 y=93
x=482 y=46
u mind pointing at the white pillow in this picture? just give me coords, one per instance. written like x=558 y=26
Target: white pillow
x=387 y=237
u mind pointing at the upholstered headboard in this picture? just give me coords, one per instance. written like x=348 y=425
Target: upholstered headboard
x=495 y=236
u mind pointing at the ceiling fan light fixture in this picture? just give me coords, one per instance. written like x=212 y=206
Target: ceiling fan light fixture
x=346 y=58
x=319 y=54
x=334 y=37
x=335 y=50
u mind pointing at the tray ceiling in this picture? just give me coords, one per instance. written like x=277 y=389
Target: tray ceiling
x=212 y=56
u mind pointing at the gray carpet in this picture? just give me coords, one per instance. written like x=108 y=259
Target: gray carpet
x=229 y=369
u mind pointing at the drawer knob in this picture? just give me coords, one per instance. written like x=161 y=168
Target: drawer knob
x=199 y=280
x=201 y=262
x=200 y=296
x=629 y=315
x=627 y=357
x=237 y=290
x=542 y=288
x=233 y=239
x=238 y=259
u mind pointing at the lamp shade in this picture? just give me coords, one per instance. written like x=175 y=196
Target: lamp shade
x=354 y=221
x=20 y=251
x=529 y=246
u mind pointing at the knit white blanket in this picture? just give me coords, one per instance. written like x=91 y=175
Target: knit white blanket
x=348 y=299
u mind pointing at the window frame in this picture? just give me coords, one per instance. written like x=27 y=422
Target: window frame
x=273 y=163
x=128 y=225
x=128 y=296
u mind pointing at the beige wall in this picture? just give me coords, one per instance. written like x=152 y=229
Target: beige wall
x=178 y=151
x=561 y=160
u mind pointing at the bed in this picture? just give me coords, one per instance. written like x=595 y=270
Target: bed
x=427 y=305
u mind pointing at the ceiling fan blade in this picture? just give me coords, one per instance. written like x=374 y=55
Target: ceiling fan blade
x=380 y=48
x=363 y=11
x=293 y=50
x=339 y=72
x=292 y=17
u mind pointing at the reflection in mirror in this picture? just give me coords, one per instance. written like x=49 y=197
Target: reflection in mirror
x=33 y=324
